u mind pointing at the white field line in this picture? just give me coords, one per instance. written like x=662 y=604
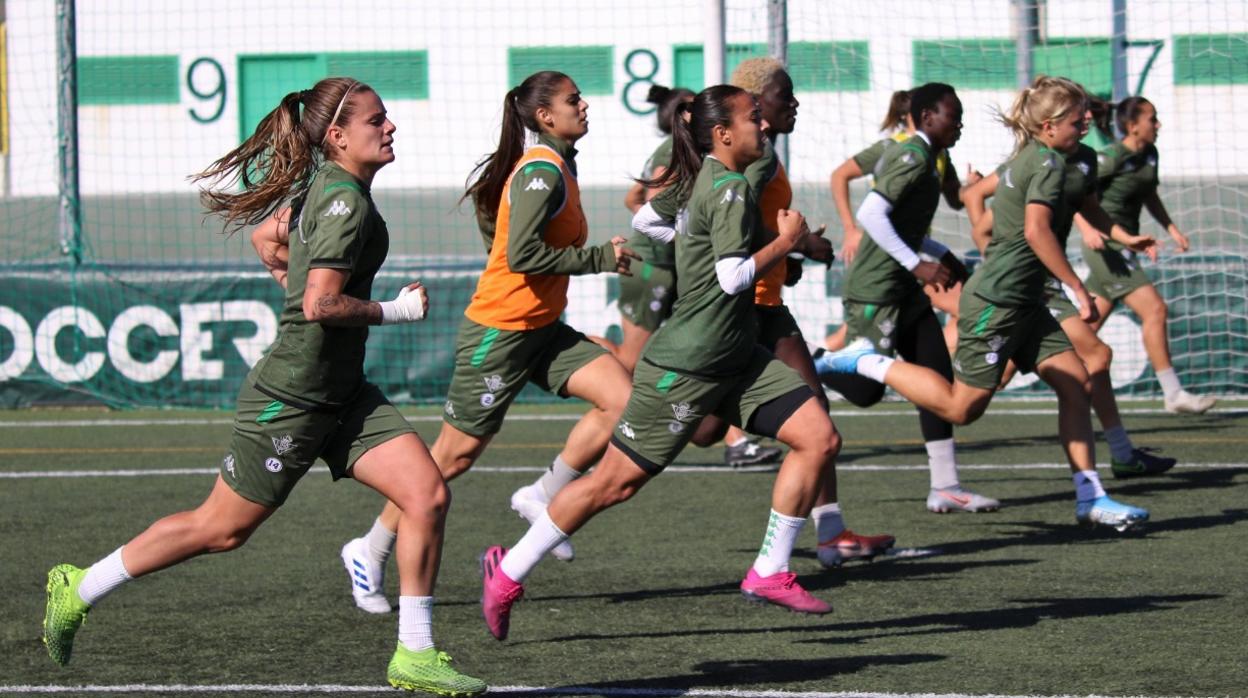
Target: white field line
x=298 y=689
x=557 y=417
x=681 y=469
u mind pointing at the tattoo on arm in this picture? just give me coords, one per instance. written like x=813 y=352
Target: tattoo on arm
x=338 y=309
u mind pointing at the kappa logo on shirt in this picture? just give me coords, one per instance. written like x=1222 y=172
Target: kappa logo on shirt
x=1009 y=182
x=1152 y=162
x=1083 y=167
x=338 y=208
x=908 y=158
x=730 y=196
x=1050 y=161
x=538 y=184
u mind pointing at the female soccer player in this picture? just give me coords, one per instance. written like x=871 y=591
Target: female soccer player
x=1127 y=181
x=884 y=287
x=704 y=360
x=900 y=125
x=529 y=200
x=646 y=296
x=1003 y=315
x=1079 y=195
x=766 y=79
x=307 y=398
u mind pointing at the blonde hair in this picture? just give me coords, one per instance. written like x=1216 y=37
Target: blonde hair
x=752 y=74
x=1047 y=99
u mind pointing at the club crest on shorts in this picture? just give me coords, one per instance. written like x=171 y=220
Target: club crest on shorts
x=283 y=445
x=682 y=411
x=494 y=383
x=273 y=465
x=659 y=292
x=227 y=464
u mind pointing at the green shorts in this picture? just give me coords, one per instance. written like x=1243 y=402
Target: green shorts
x=275 y=443
x=881 y=323
x=646 y=297
x=1059 y=304
x=665 y=406
x=990 y=335
x=492 y=366
x=775 y=322
x=1113 y=274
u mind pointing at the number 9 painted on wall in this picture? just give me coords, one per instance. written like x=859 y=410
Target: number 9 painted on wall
x=216 y=91
x=643 y=80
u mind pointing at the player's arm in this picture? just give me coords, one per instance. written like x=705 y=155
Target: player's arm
x=537 y=194
x=635 y=197
x=1038 y=231
x=271 y=239
x=1093 y=221
x=975 y=196
x=841 y=177
x=1158 y=210
x=324 y=302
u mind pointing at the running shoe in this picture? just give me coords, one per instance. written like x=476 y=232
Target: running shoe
x=783 y=590
x=430 y=671
x=1184 y=402
x=529 y=502
x=1107 y=512
x=366 y=577
x=943 y=501
x=65 y=612
x=844 y=360
x=750 y=452
x=498 y=593
x=848 y=545
x=1142 y=463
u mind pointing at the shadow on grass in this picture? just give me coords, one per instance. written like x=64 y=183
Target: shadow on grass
x=1170 y=482
x=1027 y=613
x=741 y=673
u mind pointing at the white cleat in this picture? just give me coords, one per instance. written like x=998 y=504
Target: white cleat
x=1184 y=402
x=529 y=502
x=957 y=499
x=367 y=577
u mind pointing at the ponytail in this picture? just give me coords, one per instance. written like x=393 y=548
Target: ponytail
x=691 y=137
x=667 y=99
x=1047 y=99
x=280 y=158
x=1102 y=116
x=898 y=110
x=485 y=183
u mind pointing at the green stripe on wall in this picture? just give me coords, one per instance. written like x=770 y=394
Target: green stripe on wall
x=590 y=67
x=1210 y=59
x=986 y=64
x=393 y=74
x=128 y=80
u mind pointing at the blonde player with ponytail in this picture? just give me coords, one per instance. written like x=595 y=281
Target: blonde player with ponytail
x=307 y=398
x=1003 y=315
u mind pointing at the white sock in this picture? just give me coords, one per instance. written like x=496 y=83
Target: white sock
x=416 y=622
x=541 y=538
x=942 y=464
x=1119 y=443
x=1088 y=485
x=737 y=441
x=778 y=543
x=1169 y=381
x=874 y=366
x=828 y=521
x=380 y=542
x=102 y=578
x=556 y=477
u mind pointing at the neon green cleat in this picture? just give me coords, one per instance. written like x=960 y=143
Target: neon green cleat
x=430 y=671
x=65 y=613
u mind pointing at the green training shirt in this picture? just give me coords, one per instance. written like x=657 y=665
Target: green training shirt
x=333 y=226
x=909 y=179
x=655 y=252
x=1080 y=183
x=1126 y=179
x=1011 y=274
x=710 y=333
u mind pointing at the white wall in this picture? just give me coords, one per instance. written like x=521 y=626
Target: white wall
x=154 y=148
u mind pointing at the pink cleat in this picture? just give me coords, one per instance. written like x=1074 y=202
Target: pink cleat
x=498 y=592
x=781 y=589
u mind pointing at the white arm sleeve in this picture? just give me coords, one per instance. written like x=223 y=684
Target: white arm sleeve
x=649 y=223
x=735 y=274
x=933 y=248
x=873 y=214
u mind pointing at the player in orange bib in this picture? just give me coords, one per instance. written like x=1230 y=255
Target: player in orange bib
x=528 y=209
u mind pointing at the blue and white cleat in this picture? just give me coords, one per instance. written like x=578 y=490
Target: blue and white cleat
x=844 y=360
x=1107 y=512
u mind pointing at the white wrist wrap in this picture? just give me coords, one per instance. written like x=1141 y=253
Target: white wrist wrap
x=409 y=306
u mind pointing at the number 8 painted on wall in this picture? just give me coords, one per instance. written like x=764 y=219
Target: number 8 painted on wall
x=647 y=79
x=218 y=91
